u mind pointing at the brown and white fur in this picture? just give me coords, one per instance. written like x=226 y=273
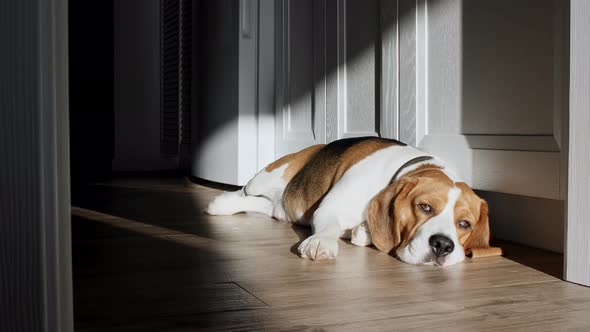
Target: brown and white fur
x=342 y=190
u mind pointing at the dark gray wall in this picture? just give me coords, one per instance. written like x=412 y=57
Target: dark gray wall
x=91 y=90
x=137 y=86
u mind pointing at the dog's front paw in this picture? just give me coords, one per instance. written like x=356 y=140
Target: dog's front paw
x=319 y=248
x=361 y=236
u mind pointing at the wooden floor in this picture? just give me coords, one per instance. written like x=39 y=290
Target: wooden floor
x=146 y=258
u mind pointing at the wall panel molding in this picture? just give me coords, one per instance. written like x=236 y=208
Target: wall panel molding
x=359 y=68
x=432 y=81
x=407 y=70
x=299 y=110
x=266 y=83
x=389 y=65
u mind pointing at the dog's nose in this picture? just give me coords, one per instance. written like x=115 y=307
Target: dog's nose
x=441 y=245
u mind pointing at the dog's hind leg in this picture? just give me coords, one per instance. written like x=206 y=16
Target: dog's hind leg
x=229 y=203
x=262 y=194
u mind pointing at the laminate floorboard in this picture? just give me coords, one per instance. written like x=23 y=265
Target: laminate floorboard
x=146 y=258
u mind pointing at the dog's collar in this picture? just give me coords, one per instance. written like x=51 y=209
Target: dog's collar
x=408 y=164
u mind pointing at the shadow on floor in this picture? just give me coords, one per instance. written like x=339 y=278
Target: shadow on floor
x=143 y=260
x=541 y=260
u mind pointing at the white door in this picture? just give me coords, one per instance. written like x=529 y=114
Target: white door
x=491 y=89
x=334 y=74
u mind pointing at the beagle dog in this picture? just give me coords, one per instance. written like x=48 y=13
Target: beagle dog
x=372 y=191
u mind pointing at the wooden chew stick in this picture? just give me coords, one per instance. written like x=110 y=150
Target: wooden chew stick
x=484 y=252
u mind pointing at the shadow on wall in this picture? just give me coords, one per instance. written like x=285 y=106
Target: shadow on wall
x=91 y=87
x=114 y=76
x=217 y=55
x=115 y=105
x=137 y=82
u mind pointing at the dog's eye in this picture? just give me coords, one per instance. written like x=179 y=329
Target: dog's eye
x=464 y=224
x=426 y=208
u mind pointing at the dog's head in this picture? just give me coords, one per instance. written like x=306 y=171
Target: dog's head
x=426 y=218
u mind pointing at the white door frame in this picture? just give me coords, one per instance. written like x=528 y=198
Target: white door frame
x=577 y=249
x=35 y=214
x=55 y=146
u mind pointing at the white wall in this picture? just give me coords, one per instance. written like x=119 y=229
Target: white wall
x=137 y=87
x=225 y=148
x=216 y=120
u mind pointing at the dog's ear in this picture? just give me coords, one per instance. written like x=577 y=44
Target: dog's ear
x=380 y=215
x=478 y=243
